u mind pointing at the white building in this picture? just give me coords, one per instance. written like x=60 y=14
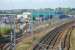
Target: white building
x=23 y=19
x=24 y=15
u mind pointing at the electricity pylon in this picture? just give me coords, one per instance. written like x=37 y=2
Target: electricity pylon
x=13 y=36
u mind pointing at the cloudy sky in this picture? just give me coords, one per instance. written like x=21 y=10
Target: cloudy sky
x=29 y=4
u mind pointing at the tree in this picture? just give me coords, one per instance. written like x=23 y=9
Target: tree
x=34 y=18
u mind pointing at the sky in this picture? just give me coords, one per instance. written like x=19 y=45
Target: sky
x=35 y=4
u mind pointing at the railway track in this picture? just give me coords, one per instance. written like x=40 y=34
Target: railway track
x=50 y=39
x=66 y=43
x=7 y=45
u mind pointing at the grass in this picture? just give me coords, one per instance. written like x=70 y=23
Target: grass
x=25 y=44
x=23 y=47
x=4 y=31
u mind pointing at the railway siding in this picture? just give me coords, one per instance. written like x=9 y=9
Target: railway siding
x=50 y=39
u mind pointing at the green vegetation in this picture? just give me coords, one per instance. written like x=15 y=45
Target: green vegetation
x=34 y=18
x=4 y=31
x=24 y=47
